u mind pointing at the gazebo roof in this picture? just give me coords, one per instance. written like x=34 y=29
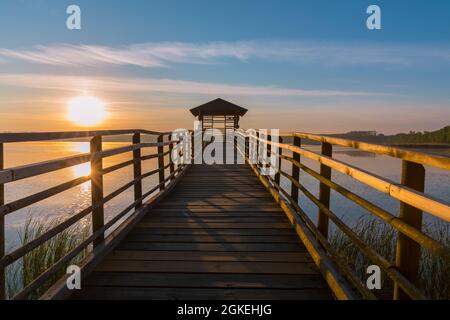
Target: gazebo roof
x=218 y=107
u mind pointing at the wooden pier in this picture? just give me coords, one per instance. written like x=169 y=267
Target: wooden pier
x=224 y=231
x=218 y=235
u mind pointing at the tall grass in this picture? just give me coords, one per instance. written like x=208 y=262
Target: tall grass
x=27 y=269
x=434 y=271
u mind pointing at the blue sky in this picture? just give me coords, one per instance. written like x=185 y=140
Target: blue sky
x=297 y=65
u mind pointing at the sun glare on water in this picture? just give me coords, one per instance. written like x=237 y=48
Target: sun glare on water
x=86 y=110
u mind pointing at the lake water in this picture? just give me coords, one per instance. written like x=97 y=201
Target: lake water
x=77 y=198
x=72 y=200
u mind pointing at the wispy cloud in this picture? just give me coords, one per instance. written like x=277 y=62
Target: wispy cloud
x=128 y=84
x=161 y=54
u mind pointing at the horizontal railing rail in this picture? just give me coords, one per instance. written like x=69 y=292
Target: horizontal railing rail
x=96 y=209
x=410 y=193
x=413 y=156
x=64 y=135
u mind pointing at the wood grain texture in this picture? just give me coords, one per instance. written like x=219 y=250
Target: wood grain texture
x=218 y=235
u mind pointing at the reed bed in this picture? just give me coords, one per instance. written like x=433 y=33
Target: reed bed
x=434 y=271
x=25 y=270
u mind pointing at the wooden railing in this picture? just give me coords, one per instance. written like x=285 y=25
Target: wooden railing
x=338 y=274
x=408 y=223
x=96 y=209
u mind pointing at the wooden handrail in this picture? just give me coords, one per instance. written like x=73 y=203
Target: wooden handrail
x=95 y=156
x=409 y=192
x=30 y=170
x=436 y=207
x=64 y=135
x=406 y=229
x=413 y=156
x=404 y=271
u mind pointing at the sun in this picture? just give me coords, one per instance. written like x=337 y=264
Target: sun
x=86 y=110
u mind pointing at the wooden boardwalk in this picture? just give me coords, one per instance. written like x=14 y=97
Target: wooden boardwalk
x=217 y=235
x=210 y=232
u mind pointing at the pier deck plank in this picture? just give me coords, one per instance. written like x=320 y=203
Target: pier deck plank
x=217 y=235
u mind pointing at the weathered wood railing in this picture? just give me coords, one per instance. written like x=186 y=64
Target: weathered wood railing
x=410 y=193
x=96 y=209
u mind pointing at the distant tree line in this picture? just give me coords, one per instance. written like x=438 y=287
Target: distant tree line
x=438 y=136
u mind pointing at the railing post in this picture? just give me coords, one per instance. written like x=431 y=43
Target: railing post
x=407 y=257
x=192 y=147
x=257 y=150
x=324 y=191
x=161 y=163
x=2 y=230
x=295 y=170
x=97 y=187
x=172 y=165
x=137 y=171
x=278 y=159
x=247 y=148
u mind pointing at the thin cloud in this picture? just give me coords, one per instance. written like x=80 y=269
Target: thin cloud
x=163 y=54
x=124 y=84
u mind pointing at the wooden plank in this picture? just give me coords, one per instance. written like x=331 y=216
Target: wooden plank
x=218 y=185
x=211 y=238
x=230 y=207
x=220 y=201
x=199 y=215
x=135 y=293
x=204 y=179
x=212 y=225
x=231 y=247
x=212 y=194
x=218 y=231
x=208 y=267
x=220 y=189
x=219 y=180
x=215 y=209
x=226 y=219
x=201 y=182
x=205 y=280
x=299 y=256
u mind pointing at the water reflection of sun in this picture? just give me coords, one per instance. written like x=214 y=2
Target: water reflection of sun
x=82 y=147
x=83 y=170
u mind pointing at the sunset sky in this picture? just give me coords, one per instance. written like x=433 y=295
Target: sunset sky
x=296 y=65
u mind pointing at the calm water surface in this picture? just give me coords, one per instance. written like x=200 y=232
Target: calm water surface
x=71 y=201
x=77 y=198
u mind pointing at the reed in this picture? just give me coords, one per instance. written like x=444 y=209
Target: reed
x=25 y=270
x=433 y=270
